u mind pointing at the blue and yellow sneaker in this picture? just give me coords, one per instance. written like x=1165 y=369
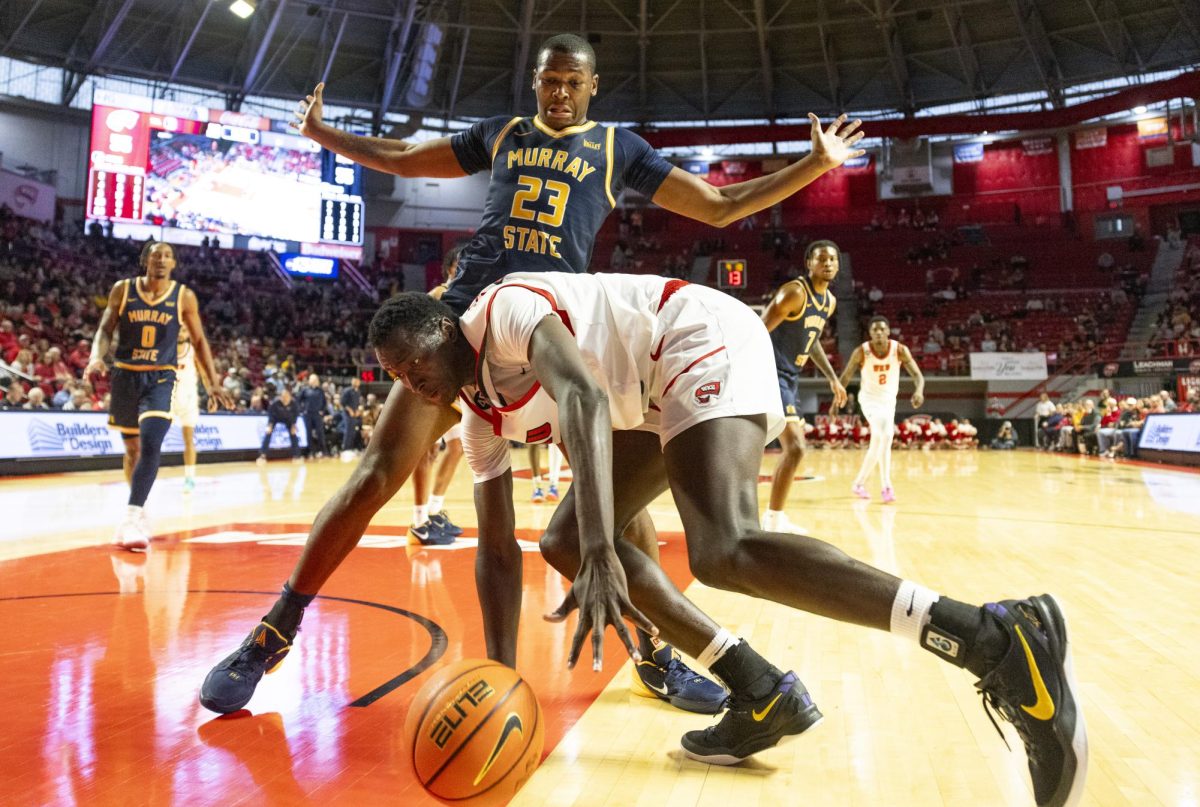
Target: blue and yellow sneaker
x=664 y=676
x=428 y=534
x=749 y=727
x=445 y=525
x=1032 y=686
x=230 y=685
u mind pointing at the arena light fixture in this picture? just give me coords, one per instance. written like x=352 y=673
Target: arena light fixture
x=1139 y=110
x=242 y=8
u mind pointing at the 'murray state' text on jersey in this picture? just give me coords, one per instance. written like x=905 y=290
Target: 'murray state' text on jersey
x=549 y=194
x=148 y=327
x=794 y=338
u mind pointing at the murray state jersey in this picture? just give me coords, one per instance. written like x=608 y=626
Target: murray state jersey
x=550 y=192
x=880 y=374
x=148 y=327
x=794 y=337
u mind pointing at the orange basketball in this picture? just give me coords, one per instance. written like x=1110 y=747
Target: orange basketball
x=476 y=731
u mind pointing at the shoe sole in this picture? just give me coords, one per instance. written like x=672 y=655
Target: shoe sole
x=805 y=718
x=1052 y=613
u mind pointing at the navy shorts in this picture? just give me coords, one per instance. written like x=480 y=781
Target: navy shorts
x=787 y=391
x=139 y=394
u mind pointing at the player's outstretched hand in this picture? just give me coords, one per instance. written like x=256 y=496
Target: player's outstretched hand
x=95 y=367
x=310 y=111
x=601 y=594
x=836 y=143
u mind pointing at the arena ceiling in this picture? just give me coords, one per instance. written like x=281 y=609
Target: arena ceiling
x=659 y=60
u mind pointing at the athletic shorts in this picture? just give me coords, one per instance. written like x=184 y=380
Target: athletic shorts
x=712 y=359
x=875 y=411
x=789 y=394
x=185 y=402
x=136 y=395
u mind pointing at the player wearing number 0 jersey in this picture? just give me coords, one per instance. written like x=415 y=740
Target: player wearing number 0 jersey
x=795 y=318
x=146 y=314
x=880 y=360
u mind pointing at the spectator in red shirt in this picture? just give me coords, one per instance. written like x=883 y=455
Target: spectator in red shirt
x=8 y=339
x=79 y=357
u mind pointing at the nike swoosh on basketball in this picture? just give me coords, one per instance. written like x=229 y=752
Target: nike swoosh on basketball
x=760 y=716
x=1043 y=707
x=511 y=724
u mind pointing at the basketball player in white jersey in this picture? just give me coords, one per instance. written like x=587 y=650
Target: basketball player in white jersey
x=880 y=359
x=652 y=384
x=185 y=405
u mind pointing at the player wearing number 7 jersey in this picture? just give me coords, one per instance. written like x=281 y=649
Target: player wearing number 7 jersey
x=795 y=318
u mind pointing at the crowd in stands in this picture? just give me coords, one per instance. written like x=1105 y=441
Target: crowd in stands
x=1106 y=426
x=1177 y=331
x=54 y=285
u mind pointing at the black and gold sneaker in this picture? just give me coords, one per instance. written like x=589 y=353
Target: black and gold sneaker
x=752 y=726
x=1032 y=686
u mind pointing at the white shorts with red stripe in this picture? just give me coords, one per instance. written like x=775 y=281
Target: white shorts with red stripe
x=712 y=359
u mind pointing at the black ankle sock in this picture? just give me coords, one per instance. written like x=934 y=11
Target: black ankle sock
x=747 y=674
x=984 y=642
x=645 y=644
x=287 y=612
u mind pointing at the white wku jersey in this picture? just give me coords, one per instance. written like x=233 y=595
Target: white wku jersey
x=614 y=319
x=880 y=375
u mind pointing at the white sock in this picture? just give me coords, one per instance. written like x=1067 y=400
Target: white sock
x=556 y=464
x=436 y=504
x=719 y=646
x=189 y=472
x=910 y=609
x=770 y=519
x=537 y=481
x=420 y=514
x=133 y=512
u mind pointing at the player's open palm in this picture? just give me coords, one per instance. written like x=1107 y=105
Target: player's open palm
x=836 y=143
x=310 y=111
x=601 y=594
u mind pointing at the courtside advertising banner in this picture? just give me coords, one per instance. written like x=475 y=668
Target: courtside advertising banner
x=1173 y=432
x=1008 y=366
x=46 y=435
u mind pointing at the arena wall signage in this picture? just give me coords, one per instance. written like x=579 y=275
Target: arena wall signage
x=1145 y=367
x=1008 y=366
x=38 y=435
x=1171 y=432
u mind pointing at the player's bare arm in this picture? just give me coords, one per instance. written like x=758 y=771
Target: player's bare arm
x=498 y=568
x=787 y=303
x=822 y=361
x=691 y=196
x=914 y=370
x=433 y=158
x=189 y=312
x=102 y=341
x=852 y=365
x=600 y=591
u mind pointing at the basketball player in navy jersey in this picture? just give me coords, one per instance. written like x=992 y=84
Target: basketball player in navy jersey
x=554 y=179
x=795 y=318
x=145 y=313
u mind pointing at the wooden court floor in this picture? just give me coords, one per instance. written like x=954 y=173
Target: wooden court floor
x=105 y=650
